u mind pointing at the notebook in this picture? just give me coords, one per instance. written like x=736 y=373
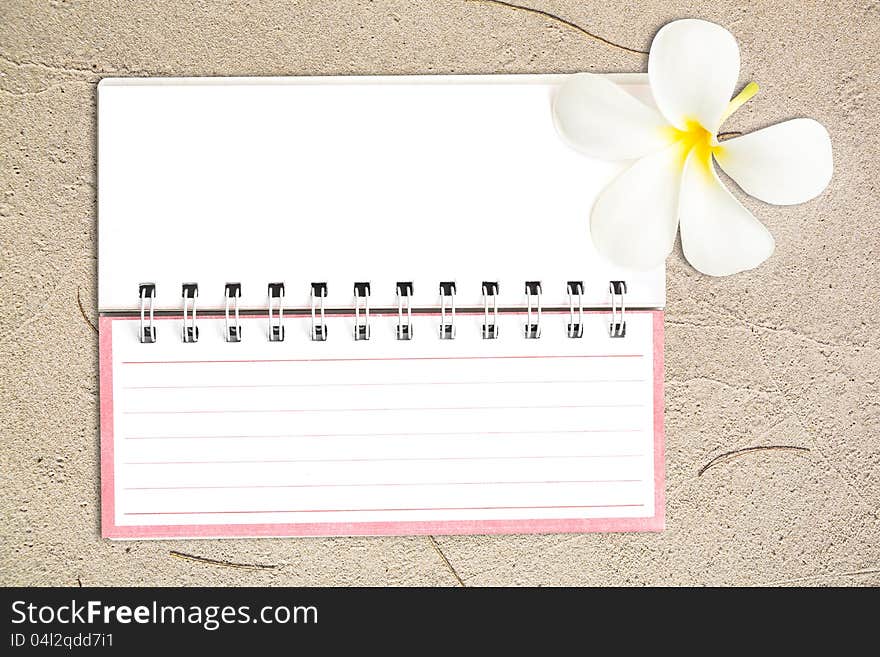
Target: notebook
x=366 y=305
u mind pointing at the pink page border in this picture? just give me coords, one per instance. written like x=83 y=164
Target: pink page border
x=109 y=528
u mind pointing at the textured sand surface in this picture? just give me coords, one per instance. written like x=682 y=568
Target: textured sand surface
x=783 y=355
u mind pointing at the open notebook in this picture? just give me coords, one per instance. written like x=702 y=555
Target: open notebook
x=341 y=306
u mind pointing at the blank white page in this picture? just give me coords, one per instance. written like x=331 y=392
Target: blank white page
x=381 y=436
x=344 y=179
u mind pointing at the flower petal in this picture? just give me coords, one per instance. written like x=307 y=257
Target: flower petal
x=599 y=118
x=693 y=67
x=718 y=235
x=787 y=163
x=634 y=219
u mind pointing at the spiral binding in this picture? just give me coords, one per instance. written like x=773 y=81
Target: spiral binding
x=489 y=329
x=617 y=326
x=233 y=294
x=319 y=329
x=532 y=330
x=575 y=328
x=190 y=293
x=276 y=298
x=447 y=326
x=404 y=329
x=361 y=303
x=146 y=291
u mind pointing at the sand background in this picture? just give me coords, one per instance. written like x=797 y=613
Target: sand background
x=786 y=354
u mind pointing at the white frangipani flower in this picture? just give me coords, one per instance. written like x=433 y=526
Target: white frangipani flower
x=692 y=69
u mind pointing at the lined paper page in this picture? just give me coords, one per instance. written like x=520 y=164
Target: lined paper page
x=364 y=437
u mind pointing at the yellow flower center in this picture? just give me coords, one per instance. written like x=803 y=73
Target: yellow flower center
x=695 y=138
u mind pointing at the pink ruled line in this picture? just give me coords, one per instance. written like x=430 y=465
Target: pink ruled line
x=363 y=460
x=355 y=360
x=449 y=508
x=366 y=385
x=405 y=434
x=367 y=410
x=393 y=484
